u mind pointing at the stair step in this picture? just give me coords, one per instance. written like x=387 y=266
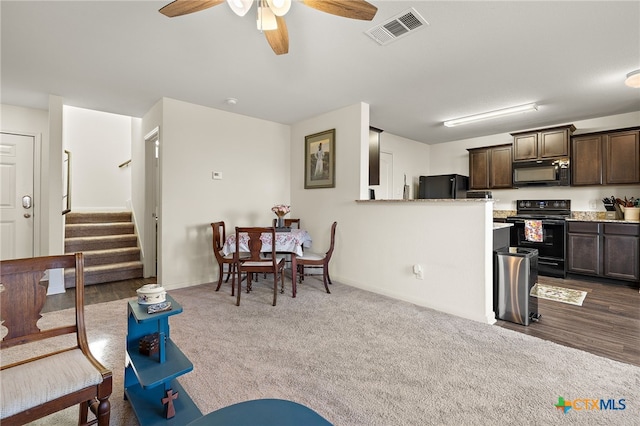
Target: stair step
x=72 y=245
x=118 y=255
x=97 y=217
x=76 y=230
x=107 y=273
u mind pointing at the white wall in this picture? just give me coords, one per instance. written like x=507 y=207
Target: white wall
x=98 y=143
x=452 y=157
x=253 y=157
x=410 y=158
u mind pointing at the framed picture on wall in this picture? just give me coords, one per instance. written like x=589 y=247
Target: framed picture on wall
x=320 y=160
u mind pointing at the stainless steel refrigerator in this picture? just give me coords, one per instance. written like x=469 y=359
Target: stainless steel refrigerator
x=443 y=186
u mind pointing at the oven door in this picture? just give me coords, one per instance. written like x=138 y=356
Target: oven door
x=551 y=250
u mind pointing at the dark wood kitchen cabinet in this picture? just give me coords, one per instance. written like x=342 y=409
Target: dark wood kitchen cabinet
x=542 y=144
x=621 y=247
x=604 y=249
x=622 y=157
x=606 y=158
x=584 y=247
x=586 y=160
x=490 y=167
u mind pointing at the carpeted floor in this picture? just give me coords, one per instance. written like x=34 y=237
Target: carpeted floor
x=359 y=358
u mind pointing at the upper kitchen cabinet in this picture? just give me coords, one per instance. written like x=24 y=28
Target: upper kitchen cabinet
x=606 y=158
x=490 y=167
x=586 y=160
x=622 y=157
x=542 y=144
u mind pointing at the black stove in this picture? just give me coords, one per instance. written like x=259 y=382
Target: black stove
x=552 y=215
x=540 y=209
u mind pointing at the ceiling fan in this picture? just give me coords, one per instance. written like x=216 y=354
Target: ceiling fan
x=270 y=14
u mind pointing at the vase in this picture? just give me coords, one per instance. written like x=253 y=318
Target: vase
x=280 y=223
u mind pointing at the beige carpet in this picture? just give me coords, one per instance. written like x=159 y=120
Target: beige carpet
x=359 y=358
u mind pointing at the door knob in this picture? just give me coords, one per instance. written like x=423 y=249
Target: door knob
x=26 y=201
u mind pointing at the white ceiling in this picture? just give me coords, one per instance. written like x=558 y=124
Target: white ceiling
x=570 y=57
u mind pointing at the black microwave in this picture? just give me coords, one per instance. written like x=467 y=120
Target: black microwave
x=553 y=172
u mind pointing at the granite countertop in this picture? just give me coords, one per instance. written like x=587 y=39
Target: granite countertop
x=501 y=225
x=431 y=200
x=584 y=219
x=576 y=216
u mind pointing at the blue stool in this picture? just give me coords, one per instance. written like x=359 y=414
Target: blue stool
x=263 y=412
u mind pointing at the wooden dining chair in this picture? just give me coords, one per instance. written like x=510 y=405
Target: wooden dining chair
x=219 y=238
x=48 y=377
x=293 y=224
x=318 y=260
x=290 y=223
x=255 y=263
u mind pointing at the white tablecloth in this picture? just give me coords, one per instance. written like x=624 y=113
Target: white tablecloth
x=292 y=242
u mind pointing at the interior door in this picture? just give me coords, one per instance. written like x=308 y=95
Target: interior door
x=386 y=176
x=152 y=197
x=16 y=196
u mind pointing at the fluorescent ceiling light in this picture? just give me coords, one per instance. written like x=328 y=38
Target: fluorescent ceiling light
x=633 y=79
x=491 y=114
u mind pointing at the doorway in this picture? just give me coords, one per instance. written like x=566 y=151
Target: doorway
x=19 y=195
x=152 y=198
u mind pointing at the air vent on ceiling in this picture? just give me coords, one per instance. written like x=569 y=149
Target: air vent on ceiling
x=397 y=27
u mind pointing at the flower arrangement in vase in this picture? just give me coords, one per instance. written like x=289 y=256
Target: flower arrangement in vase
x=280 y=210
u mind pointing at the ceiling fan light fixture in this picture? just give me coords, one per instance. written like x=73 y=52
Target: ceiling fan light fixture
x=240 y=7
x=633 y=79
x=266 y=19
x=279 y=7
x=491 y=114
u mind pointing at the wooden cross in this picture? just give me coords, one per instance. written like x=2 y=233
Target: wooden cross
x=169 y=409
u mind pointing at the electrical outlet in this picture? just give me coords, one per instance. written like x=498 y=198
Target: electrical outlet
x=418 y=272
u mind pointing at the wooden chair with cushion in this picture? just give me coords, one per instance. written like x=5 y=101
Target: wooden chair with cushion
x=219 y=238
x=47 y=375
x=255 y=263
x=293 y=224
x=318 y=260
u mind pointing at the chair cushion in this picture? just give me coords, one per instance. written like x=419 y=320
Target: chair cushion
x=31 y=384
x=309 y=255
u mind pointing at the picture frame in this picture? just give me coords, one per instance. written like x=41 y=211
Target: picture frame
x=320 y=146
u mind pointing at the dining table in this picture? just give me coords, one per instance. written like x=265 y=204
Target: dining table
x=293 y=241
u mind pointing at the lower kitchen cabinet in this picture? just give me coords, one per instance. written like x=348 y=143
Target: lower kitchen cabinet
x=605 y=249
x=621 y=246
x=584 y=248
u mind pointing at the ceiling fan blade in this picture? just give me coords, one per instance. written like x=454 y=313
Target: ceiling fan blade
x=184 y=7
x=279 y=38
x=354 y=9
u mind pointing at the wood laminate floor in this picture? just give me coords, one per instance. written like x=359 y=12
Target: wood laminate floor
x=97 y=293
x=607 y=324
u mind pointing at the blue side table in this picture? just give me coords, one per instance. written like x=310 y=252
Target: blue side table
x=263 y=412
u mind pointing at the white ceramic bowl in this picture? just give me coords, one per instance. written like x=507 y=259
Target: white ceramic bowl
x=150 y=294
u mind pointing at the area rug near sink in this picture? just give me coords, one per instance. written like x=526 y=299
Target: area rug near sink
x=559 y=294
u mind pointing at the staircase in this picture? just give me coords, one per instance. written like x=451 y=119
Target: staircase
x=109 y=244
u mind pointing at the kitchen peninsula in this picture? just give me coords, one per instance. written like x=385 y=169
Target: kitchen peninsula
x=450 y=241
